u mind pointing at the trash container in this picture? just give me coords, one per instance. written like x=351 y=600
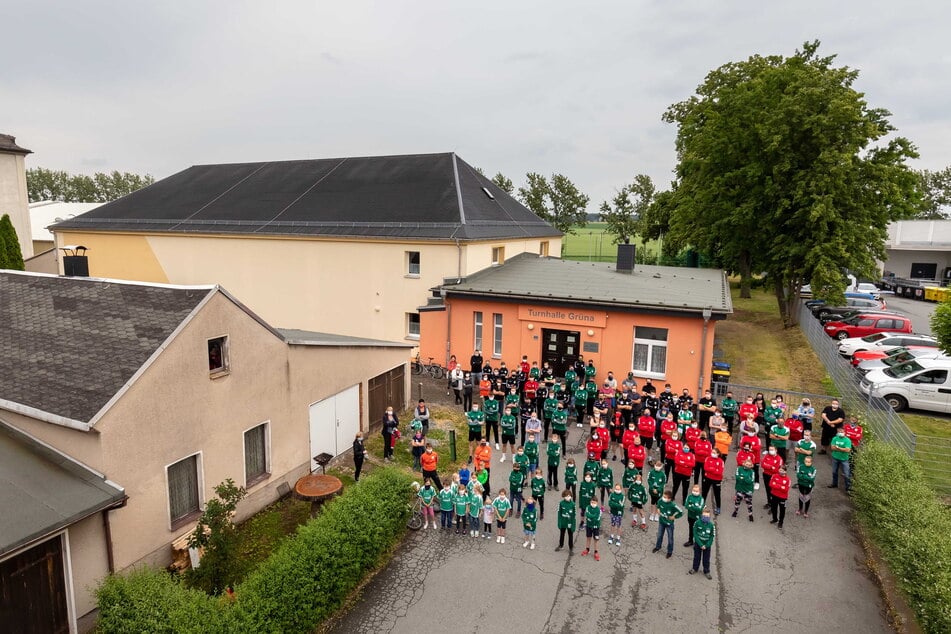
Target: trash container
x=720 y=382
x=931 y=293
x=919 y=293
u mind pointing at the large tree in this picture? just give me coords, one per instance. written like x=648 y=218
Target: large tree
x=784 y=169
x=623 y=213
x=557 y=201
x=46 y=184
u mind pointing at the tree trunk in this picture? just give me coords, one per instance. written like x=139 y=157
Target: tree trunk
x=744 y=275
x=787 y=298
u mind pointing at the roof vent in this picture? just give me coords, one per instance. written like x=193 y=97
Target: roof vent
x=488 y=193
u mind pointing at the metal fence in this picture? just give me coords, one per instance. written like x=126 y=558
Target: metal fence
x=932 y=453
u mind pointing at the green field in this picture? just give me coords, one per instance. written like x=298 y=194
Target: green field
x=593 y=242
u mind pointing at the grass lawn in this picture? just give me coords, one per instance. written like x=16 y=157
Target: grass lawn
x=593 y=242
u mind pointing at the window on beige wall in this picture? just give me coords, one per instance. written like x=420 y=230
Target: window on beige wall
x=412 y=263
x=498 y=255
x=257 y=459
x=543 y=249
x=218 y=361
x=412 y=325
x=184 y=490
x=477 y=329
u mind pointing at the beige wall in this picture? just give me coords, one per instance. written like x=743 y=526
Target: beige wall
x=44 y=261
x=175 y=410
x=89 y=561
x=349 y=287
x=14 y=199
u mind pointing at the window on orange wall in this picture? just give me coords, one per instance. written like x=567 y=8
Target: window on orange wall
x=477 y=329
x=496 y=334
x=650 y=352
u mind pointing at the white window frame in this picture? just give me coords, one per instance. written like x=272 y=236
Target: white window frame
x=651 y=345
x=409 y=324
x=497 y=335
x=477 y=329
x=409 y=264
x=267 y=454
x=175 y=524
x=498 y=255
x=225 y=356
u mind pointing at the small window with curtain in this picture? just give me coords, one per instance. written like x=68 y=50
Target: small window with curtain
x=497 y=335
x=412 y=325
x=256 y=459
x=412 y=263
x=184 y=490
x=477 y=329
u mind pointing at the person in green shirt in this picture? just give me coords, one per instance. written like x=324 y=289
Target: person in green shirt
x=553 y=452
x=492 y=408
x=729 y=406
x=656 y=481
x=702 y=538
x=581 y=404
x=744 y=488
x=841 y=447
x=427 y=495
x=592 y=389
x=570 y=375
x=503 y=509
x=538 y=492
x=630 y=473
x=616 y=508
x=779 y=437
x=592 y=530
x=512 y=399
x=476 y=500
x=531 y=451
x=509 y=427
x=637 y=494
x=805 y=481
x=516 y=484
x=805 y=448
x=559 y=425
x=529 y=523
x=571 y=476
x=521 y=459
x=586 y=493
x=592 y=466
x=445 y=506
x=605 y=479
x=566 y=521
x=667 y=511
x=549 y=406
x=534 y=372
x=694 y=504
x=590 y=371
x=475 y=420
x=460 y=503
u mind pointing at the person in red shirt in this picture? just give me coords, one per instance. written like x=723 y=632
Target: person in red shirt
x=531 y=388
x=712 y=478
x=854 y=432
x=795 y=427
x=617 y=432
x=667 y=427
x=691 y=434
x=701 y=449
x=524 y=366
x=772 y=462
x=636 y=453
x=746 y=408
x=646 y=426
x=604 y=435
x=672 y=448
x=755 y=448
x=627 y=438
x=779 y=492
x=594 y=444
x=684 y=463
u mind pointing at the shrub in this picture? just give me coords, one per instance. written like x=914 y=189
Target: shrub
x=301 y=584
x=217 y=535
x=910 y=525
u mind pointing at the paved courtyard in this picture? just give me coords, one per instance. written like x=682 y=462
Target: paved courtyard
x=809 y=576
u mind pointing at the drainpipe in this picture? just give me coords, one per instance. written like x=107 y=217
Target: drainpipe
x=107 y=529
x=442 y=292
x=707 y=313
x=459 y=262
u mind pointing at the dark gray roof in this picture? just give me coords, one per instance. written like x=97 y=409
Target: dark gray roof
x=529 y=277
x=421 y=196
x=68 y=345
x=309 y=338
x=8 y=145
x=42 y=491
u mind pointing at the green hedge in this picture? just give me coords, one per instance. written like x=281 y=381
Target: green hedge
x=911 y=527
x=300 y=585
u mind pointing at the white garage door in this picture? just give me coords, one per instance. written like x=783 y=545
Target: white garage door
x=334 y=422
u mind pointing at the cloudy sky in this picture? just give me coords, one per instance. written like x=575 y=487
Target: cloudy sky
x=511 y=86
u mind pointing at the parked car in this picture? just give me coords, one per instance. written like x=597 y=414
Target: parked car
x=812 y=303
x=900 y=355
x=921 y=384
x=882 y=341
x=881 y=353
x=852 y=312
x=867 y=324
x=868 y=287
x=850 y=303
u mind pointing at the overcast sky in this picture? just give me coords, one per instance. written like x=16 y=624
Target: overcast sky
x=512 y=86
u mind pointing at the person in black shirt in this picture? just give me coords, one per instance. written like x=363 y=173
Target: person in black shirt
x=359 y=453
x=833 y=417
x=579 y=368
x=475 y=367
x=390 y=424
x=667 y=396
x=547 y=373
x=705 y=408
x=503 y=371
x=467 y=386
x=649 y=387
x=687 y=398
x=625 y=405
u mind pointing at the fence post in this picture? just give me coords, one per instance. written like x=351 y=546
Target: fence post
x=420 y=390
x=452 y=445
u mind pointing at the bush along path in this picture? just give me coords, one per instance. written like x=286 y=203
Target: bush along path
x=306 y=580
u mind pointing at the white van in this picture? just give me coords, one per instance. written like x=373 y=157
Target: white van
x=921 y=384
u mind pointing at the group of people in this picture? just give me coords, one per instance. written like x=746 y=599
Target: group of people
x=684 y=445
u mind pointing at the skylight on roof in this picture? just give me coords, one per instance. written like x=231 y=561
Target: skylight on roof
x=488 y=193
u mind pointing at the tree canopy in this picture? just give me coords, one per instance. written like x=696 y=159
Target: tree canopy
x=783 y=168
x=11 y=256
x=623 y=213
x=936 y=194
x=556 y=200
x=46 y=184
x=504 y=183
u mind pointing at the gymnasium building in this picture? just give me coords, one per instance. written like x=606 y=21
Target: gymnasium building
x=657 y=321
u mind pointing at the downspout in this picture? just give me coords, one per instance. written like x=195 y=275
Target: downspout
x=707 y=313
x=107 y=529
x=459 y=263
x=448 y=325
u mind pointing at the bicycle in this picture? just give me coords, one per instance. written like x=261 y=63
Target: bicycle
x=415 y=521
x=432 y=369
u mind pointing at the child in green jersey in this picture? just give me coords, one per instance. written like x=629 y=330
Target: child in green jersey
x=427 y=495
x=516 y=484
x=637 y=494
x=586 y=495
x=488 y=517
x=571 y=477
x=445 y=506
x=656 y=481
x=667 y=512
x=592 y=531
x=694 y=504
x=616 y=507
x=460 y=504
x=703 y=535
x=553 y=451
x=476 y=498
x=529 y=523
x=805 y=480
x=503 y=509
x=538 y=492
x=566 y=521
x=531 y=451
x=605 y=479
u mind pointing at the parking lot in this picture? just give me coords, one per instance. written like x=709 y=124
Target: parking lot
x=918 y=311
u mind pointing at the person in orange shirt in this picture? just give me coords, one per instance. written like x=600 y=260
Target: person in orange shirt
x=485 y=386
x=483 y=454
x=723 y=439
x=430 y=461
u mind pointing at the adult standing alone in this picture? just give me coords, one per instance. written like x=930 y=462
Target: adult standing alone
x=833 y=417
x=421 y=413
x=475 y=367
x=359 y=453
x=390 y=424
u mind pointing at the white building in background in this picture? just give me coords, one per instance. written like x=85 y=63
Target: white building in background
x=918 y=249
x=47 y=212
x=14 y=199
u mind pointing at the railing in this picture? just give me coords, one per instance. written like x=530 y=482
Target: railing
x=932 y=453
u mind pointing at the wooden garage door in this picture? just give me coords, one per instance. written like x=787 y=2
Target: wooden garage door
x=385 y=390
x=33 y=590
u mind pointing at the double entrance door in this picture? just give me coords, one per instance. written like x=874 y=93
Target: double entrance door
x=560 y=348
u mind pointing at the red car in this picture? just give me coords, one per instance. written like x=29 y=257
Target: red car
x=867 y=324
x=881 y=353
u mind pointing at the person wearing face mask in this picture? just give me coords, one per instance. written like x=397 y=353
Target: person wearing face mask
x=559 y=425
x=729 y=408
x=806 y=413
x=566 y=521
x=805 y=481
x=475 y=419
x=637 y=494
x=391 y=423
x=672 y=448
x=667 y=512
x=684 y=463
x=430 y=462
x=529 y=523
x=704 y=534
x=770 y=464
x=586 y=494
x=706 y=406
x=841 y=448
x=702 y=450
x=656 y=481
x=779 y=437
x=605 y=480
x=616 y=509
x=359 y=453
x=694 y=506
x=779 y=492
x=637 y=454
x=744 y=488
x=713 y=478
